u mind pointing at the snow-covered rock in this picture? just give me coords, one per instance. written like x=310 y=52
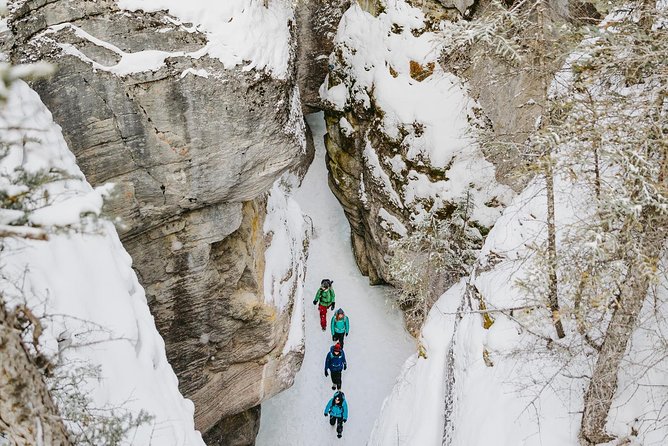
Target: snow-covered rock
x=192 y=109
x=400 y=131
x=81 y=285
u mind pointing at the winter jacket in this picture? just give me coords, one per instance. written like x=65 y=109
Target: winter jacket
x=335 y=363
x=325 y=297
x=340 y=325
x=337 y=411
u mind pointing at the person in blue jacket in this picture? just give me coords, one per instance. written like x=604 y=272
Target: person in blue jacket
x=337 y=410
x=340 y=326
x=335 y=362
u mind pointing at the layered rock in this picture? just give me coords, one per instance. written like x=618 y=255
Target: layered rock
x=401 y=145
x=193 y=148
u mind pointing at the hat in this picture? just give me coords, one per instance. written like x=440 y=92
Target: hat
x=339 y=311
x=337 y=347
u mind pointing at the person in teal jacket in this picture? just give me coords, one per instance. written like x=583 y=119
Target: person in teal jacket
x=325 y=297
x=340 y=326
x=337 y=410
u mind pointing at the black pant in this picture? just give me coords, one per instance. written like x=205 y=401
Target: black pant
x=336 y=379
x=339 y=423
x=339 y=337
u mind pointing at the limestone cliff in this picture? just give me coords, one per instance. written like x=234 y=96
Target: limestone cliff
x=193 y=147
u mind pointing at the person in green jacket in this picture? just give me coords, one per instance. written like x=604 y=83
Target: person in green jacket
x=340 y=326
x=325 y=297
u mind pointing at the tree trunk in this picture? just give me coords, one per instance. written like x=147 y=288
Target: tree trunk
x=28 y=416
x=552 y=250
x=603 y=383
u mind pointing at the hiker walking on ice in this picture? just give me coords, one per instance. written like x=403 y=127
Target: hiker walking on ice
x=340 y=326
x=335 y=363
x=337 y=410
x=325 y=298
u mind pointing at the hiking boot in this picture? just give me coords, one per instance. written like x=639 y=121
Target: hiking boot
x=338 y=435
x=333 y=387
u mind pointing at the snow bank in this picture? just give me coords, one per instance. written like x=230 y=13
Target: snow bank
x=285 y=258
x=392 y=60
x=499 y=385
x=240 y=32
x=82 y=286
x=455 y=369
x=413 y=413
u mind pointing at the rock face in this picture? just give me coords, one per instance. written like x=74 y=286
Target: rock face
x=316 y=27
x=193 y=149
x=399 y=139
x=29 y=416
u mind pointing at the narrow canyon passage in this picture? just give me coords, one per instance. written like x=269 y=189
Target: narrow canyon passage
x=377 y=345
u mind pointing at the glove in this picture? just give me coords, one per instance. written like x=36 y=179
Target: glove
x=346 y=334
x=315 y=301
x=331 y=307
x=326 y=373
x=345 y=421
x=345 y=366
x=325 y=413
x=333 y=338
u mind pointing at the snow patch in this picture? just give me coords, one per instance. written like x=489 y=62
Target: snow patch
x=346 y=128
x=336 y=95
x=391 y=223
x=239 y=32
x=140 y=61
x=373 y=163
x=195 y=72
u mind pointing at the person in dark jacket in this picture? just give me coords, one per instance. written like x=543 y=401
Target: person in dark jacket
x=325 y=297
x=335 y=363
x=337 y=410
x=340 y=326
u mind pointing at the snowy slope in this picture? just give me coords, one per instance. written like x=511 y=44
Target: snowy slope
x=375 y=349
x=455 y=367
x=524 y=398
x=512 y=383
x=81 y=284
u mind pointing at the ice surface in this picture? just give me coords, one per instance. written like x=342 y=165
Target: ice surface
x=376 y=348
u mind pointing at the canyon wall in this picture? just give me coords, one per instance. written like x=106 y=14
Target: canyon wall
x=193 y=146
